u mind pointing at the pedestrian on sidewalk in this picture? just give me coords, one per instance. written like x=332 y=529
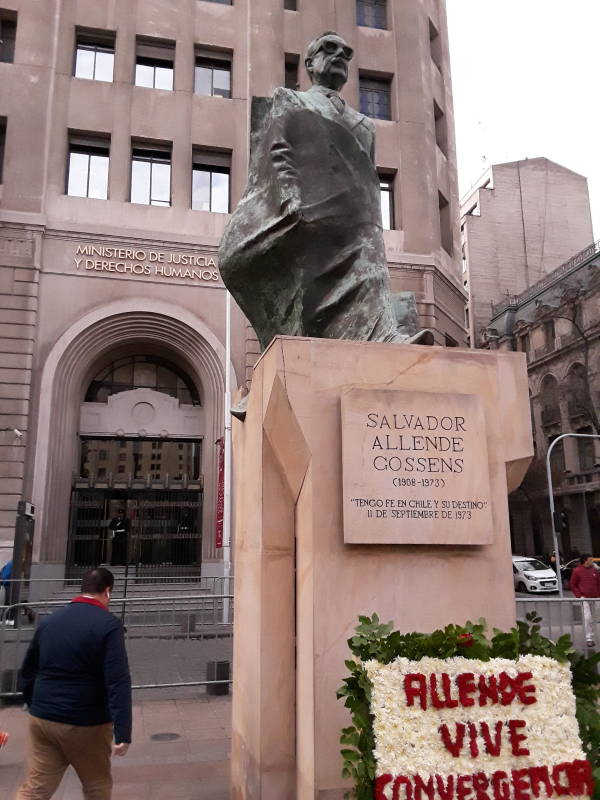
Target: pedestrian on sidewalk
x=585 y=582
x=75 y=680
x=5 y=584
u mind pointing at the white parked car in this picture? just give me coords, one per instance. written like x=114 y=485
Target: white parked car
x=530 y=575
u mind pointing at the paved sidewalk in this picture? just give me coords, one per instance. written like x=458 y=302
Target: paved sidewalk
x=194 y=766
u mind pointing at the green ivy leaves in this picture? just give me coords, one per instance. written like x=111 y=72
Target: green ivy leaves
x=375 y=640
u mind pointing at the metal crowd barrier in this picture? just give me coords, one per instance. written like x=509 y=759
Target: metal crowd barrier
x=39 y=589
x=172 y=641
x=578 y=617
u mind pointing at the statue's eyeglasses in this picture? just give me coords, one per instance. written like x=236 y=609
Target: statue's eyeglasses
x=330 y=46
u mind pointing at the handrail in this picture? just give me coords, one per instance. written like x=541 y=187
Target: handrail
x=121 y=601
x=118 y=577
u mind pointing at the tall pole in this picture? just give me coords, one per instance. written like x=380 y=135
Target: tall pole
x=227 y=458
x=551 y=496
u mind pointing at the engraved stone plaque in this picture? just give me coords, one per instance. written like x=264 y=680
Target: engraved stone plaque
x=415 y=468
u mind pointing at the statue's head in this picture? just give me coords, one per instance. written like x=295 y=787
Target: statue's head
x=326 y=60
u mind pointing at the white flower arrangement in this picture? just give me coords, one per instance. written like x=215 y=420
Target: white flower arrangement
x=530 y=723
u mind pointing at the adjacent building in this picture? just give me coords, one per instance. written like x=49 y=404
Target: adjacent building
x=123 y=146
x=519 y=222
x=556 y=322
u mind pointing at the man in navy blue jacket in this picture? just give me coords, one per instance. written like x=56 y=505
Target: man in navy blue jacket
x=75 y=680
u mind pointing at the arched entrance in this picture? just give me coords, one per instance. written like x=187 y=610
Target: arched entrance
x=120 y=330
x=138 y=481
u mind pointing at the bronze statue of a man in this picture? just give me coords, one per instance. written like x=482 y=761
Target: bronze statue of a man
x=303 y=253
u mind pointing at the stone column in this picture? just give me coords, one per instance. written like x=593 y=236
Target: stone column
x=300 y=587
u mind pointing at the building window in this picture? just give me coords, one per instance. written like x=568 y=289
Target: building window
x=371 y=13
x=291 y=71
x=445 y=224
x=449 y=341
x=441 y=129
x=587 y=451
x=549 y=334
x=523 y=343
x=210 y=181
x=141 y=372
x=375 y=97
x=290 y=5
x=151 y=175
x=88 y=167
x=8 y=35
x=212 y=77
x=223 y=2
x=154 y=62
x=386 y=185
x=2 y=146
x=435 y=45
x=94 y=55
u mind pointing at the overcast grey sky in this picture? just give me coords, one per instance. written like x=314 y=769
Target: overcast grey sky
x=526 y=83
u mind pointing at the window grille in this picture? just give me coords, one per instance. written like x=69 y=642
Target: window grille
x=8 y=35
x=371 y=13
x=375 y=98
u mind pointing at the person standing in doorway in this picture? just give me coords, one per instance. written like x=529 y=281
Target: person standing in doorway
x=119 y=527
x=75 y=680
x=585 y=583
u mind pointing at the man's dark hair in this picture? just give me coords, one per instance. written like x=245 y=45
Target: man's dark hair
x=97 y=580
x=584 y=557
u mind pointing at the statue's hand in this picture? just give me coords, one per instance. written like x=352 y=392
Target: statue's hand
x=291 y=206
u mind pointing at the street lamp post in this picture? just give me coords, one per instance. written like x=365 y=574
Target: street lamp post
x=551 y=497
x=227 y=470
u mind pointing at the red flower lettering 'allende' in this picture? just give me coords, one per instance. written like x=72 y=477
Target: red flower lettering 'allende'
x=439 y=691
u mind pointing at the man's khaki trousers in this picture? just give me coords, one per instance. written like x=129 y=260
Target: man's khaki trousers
x=54 y=745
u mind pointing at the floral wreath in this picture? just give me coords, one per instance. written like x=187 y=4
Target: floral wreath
x=453 y=715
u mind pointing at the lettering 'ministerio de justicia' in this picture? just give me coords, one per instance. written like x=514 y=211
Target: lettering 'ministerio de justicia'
x=141 y=262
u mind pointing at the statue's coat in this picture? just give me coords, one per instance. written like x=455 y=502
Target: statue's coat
x=303 y=253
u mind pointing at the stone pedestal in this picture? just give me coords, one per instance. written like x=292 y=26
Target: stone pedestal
x=313 y=467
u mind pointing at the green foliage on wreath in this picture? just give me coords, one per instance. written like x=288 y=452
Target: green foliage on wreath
x=374 y=640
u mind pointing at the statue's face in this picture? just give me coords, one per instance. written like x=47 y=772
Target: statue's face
x=329 y=65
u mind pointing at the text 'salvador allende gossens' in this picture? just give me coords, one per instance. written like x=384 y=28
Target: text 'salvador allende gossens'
x=413 y=443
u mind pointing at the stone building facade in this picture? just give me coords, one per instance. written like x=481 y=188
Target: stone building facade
x=556 y=322
x=519 y=222
x=123 y=145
